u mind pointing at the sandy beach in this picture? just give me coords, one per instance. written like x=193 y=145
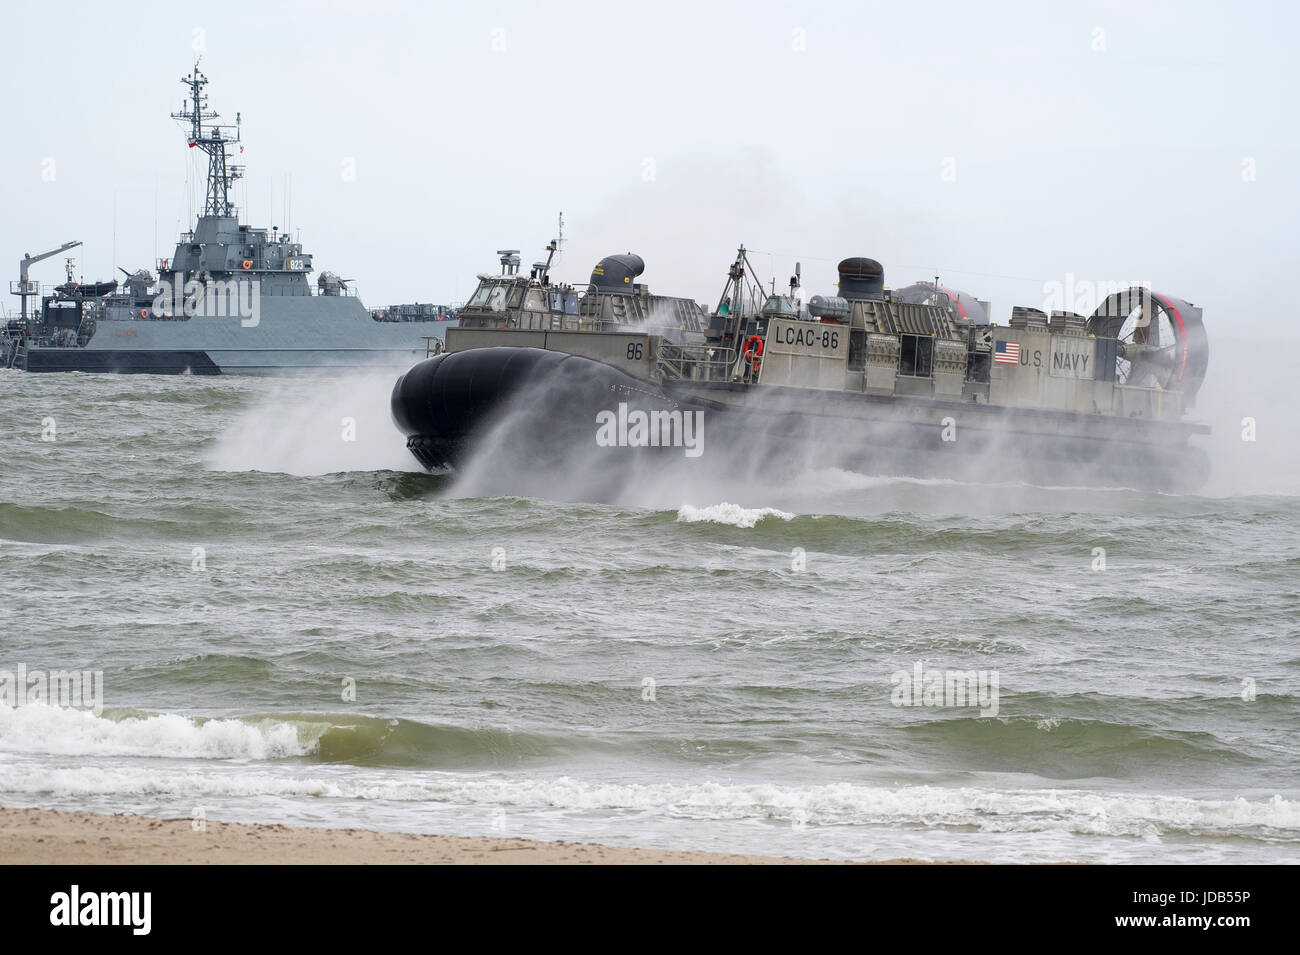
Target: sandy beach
x=41 y=836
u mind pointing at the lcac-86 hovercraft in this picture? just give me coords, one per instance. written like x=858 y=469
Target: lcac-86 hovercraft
x=914 y=381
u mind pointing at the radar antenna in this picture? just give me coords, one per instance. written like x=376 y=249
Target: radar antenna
x=509 y=261
x=212 y=139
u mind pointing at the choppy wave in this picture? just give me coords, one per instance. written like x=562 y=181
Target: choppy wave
x=511 y=636
x=732 y=514
x=1049 y=746
x=51 y=730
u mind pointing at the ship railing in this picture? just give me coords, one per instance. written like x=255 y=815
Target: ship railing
x=696 y=362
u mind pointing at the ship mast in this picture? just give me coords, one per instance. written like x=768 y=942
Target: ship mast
x=743 y=293
x=212 y=139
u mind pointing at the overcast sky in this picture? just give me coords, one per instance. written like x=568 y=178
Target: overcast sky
x=1002 y=145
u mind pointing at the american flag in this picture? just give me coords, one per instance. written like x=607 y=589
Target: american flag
x=1006 y=353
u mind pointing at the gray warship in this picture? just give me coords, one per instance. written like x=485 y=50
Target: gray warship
x=910 y=381
x=231 y=299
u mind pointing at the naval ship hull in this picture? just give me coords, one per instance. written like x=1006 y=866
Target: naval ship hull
x=106 y=361
x=292 y=334
x=544 y=406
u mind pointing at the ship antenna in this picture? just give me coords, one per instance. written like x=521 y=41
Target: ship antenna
x=543 y=274
x=212 y=139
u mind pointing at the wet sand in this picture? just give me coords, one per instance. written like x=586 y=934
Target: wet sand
x=42 y=836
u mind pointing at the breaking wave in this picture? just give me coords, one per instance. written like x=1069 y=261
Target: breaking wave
x=51 y=730
x=69 y=732
x=1064 y=811
x=732 y=514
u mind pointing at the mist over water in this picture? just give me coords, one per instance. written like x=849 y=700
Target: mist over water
x=770 y=609
x=315 y=425
x=1250 y=378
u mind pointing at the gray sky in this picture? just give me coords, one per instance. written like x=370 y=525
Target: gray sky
x=1003 y=145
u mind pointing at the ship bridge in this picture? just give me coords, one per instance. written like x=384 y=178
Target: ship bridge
x=612 y=300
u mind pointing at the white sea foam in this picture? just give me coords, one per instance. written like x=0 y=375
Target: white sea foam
x=68 y=732
x=1075 y=812
x=732 y=514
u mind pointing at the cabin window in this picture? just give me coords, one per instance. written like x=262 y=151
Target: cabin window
x=557 y=301
x=916 y=359
x=570 y=303
x=535 y=301
x=480 y=294
x=496 y=299
x=515 y=298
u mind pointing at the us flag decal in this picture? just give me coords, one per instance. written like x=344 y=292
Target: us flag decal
x=1006 y=353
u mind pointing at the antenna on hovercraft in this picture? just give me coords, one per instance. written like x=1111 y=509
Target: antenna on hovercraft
x=509 y=261
x=542 y=270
